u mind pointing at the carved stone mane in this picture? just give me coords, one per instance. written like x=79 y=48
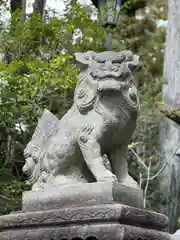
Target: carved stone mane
x=36 y=149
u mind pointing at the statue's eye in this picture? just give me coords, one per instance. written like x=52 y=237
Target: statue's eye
x=95 y=72
x=115 y=69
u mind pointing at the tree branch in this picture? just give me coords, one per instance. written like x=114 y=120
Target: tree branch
x=138 y=159
x=147 y=184
x=5 y=198
x=165 y=164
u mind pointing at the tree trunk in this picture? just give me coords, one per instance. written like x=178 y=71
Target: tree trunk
x=39 y=6
x=169 y=131
x=18 y=4
x=15 y=4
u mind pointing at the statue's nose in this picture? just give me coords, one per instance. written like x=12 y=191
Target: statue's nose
x=108 y=66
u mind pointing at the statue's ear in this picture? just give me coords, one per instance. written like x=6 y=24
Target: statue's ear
x=134 y=65
x=81 y=62
x=84 y=59
x=86 y=88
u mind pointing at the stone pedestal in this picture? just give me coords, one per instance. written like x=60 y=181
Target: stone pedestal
x=54 y=197
x=100 y=214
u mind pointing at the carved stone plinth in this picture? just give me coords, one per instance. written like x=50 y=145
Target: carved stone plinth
x=107 y=221
x=54 y=197
x=85 y=212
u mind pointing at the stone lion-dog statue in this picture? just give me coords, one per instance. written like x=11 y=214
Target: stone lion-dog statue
x=100 y=122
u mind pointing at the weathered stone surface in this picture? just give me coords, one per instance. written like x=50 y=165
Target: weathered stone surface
x=108 y=221
x=82 y=194
x=100 y=122
x=105 y=231
x=87 y=214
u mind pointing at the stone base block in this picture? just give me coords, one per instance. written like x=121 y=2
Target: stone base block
x=55 y=197
x=95 y=222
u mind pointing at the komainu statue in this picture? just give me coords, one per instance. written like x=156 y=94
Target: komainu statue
x=100 y=122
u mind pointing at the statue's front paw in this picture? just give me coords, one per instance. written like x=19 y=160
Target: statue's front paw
x=128 y=181
x=107 y=176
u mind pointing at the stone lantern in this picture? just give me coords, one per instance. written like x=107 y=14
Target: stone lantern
x=111 y=17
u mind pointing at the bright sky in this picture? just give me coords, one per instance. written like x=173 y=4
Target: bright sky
x=56 y=4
